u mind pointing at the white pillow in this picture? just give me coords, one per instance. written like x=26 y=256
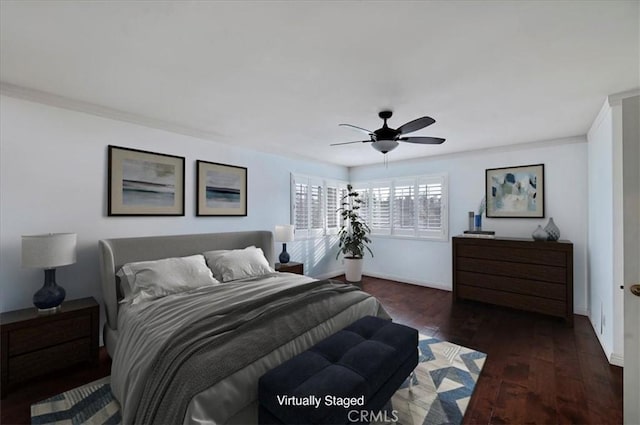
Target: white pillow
x=228 y=265
x=148 y=280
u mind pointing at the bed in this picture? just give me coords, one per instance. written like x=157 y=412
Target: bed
x=196 y=356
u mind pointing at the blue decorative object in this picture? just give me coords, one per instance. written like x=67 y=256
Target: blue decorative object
x=284 y=233
x=552 y=230
x=50 y=295
x=284 y=255
x=478 y=222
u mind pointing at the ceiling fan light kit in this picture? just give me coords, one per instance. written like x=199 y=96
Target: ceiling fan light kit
x=386 y=139
x=384 y=146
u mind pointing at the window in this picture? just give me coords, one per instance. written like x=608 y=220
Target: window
x=409 y=207
x=405 y=207
x=314 y=205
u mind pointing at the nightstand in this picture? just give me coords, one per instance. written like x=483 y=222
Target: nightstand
x=35 y=344
x=290 y=267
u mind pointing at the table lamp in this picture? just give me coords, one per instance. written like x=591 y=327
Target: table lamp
x=284 y=234
x=48 y=252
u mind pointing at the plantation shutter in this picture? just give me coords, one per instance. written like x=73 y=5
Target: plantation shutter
x=335 y=192
x=407 y=206
x=317 y=209
x=380 y=208
x=431 y=206
x=365 y=206
x=404 y=210
x=314 y=205
x=300 y=206
x=332 y=207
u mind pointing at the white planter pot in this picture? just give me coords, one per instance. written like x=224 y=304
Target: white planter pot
x=353 y=269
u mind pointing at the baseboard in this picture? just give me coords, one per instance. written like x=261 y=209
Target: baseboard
x=616 y=359
x=410 y=281
x=608 y=353
x=581 y=311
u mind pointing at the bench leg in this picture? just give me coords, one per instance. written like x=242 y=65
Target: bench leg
x=411 y=378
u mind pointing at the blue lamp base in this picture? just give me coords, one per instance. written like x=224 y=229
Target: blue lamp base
x=284 y=255
x=50 y=296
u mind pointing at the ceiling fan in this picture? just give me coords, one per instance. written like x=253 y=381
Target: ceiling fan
x=386 y=139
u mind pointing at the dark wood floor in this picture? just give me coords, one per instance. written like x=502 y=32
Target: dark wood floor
x=538 y=371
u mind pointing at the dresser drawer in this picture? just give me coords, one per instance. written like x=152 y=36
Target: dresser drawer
x=515 y=255
x=53 y=333
x=518 y=301
x=517 y=270
x=37 y=363
x=536 y=288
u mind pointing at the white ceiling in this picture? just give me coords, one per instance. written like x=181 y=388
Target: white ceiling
x=281 y=76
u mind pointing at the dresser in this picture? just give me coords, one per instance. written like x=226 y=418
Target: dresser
x=518 y=273
x=35 y=344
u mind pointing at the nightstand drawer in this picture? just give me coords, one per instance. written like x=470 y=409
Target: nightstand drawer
x=291 y=267
x=37 y=363
x=56 y=332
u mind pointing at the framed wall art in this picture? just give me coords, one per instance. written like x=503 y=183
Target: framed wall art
x=144 y=183
x=515 y=192
x=221 y=189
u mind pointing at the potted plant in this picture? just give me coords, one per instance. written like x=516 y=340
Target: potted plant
x=352 y=236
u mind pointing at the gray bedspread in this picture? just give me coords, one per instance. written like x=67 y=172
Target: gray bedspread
x=244 y=322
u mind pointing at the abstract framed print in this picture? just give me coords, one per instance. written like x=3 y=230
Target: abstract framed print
x=515 y=192
x=221 y=189
x=145 y=183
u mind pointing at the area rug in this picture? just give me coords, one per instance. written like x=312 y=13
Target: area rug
x=439 y=392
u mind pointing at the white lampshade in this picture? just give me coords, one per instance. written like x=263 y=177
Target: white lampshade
x=284 y=232
x=49 y=251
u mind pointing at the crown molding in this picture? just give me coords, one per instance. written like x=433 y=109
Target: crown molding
x=617 y=98
x=39 y=96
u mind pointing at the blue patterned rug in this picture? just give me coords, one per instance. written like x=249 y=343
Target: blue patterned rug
x=440 y=392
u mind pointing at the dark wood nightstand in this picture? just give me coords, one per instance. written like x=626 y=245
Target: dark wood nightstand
x=35 y=344
x=290 y=267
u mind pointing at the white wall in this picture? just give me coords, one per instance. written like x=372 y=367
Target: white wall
x=601 y=218
x=53 y=178
x=428 y=263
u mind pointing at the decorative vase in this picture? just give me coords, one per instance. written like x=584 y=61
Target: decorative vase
x=478 y=222
x=552 y=230
x=539 y=234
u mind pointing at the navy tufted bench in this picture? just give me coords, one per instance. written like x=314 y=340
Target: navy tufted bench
x=359 y=368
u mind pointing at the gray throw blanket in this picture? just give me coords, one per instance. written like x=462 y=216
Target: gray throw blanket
x=204 y=352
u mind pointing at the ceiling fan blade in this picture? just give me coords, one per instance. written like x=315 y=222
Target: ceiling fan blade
x=423 y=140
x=357 y=128
x=415 y=125
x=348 y=143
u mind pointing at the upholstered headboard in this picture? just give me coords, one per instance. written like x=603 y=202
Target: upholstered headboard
x=114 y=253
